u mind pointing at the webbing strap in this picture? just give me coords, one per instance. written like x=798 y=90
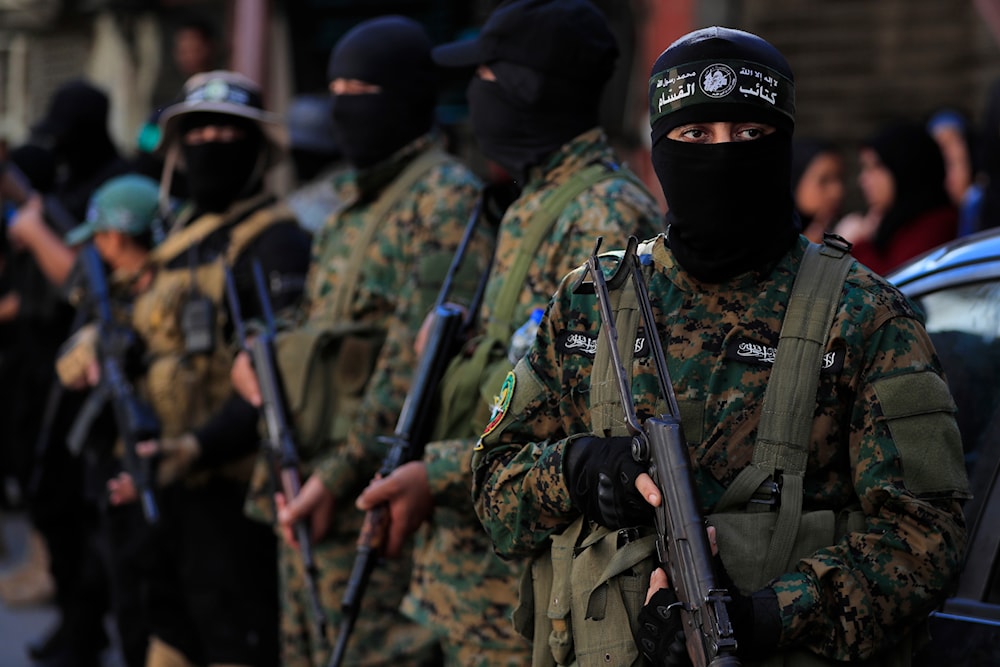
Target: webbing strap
x=605 y=400
x=500 y=327
x=782 y=447
x=192 y=234
x=790 y=398
x=373 y=217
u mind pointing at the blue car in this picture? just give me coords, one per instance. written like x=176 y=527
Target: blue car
x=958 y=287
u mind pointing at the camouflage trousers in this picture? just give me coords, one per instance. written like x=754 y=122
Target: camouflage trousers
x=381 y=636
x=471 y=655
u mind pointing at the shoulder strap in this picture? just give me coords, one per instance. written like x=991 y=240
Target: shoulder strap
x=782 y=446
x=790 y=398
x=499 y=326
x=185 y=237
x=245 y=232
x=376 y=213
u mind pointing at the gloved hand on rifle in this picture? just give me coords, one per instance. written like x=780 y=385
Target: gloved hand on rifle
x=601 y=476
x=660 y=636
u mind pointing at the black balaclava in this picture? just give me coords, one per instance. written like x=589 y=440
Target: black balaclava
x=394 y=53
x=76 y=130
x=917 y=166
x=523 y=116
x=220 y=173
x=730 y=204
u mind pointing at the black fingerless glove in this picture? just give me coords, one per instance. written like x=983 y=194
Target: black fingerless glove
x=660 y=634
x=756 y=618
x=600 y=474
x=756 y=623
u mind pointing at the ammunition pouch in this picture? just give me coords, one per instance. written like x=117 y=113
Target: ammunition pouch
x=582 y=592
x=469 y=387
x=325 y=371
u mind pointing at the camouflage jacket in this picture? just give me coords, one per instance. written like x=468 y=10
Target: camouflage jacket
x=403 y=270
x=846 y=601
x=615 y=208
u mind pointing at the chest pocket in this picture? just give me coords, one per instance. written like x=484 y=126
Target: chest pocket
x=325 y=371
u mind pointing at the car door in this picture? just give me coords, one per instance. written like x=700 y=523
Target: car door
x=959 y=292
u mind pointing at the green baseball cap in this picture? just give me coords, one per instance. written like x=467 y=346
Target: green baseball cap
x=126 y=204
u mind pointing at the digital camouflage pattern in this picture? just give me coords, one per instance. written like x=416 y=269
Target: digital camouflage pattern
x=401 y=275
x=459 y=586
x=846 y=601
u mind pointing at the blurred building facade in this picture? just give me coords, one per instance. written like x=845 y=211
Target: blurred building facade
x=857 y=62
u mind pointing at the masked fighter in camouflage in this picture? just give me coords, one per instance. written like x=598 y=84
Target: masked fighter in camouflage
x=378 y=264
x=878 y=479
x=533 y=101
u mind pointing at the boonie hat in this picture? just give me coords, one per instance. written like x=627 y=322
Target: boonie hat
x=127 y=204
x=568 y=38
x=223 y=92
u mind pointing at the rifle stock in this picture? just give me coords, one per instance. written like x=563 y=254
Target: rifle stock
x=450 y=326
x=682 y=544
x=280 y=439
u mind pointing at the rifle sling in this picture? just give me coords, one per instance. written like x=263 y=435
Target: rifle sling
x=500 y=325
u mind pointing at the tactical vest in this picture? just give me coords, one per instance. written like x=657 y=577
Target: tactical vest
x=593 y=580
x=185 y=389
x=469 y=383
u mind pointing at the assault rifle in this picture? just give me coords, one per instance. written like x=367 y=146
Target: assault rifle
x=450 y=326
x=682 y=545
x=279 y=440
x=134 y=417
x=16 y=188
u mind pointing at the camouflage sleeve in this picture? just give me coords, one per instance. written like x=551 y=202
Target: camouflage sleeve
x=418 y=261
x=875 y=585
x=449 y=472
x=519 y=492
x=614 y=209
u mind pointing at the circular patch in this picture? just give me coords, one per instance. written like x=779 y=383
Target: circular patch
x=501 y=403
x=717 y=80
x=216 y=90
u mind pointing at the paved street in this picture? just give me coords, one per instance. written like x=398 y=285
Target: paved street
x=21 y=625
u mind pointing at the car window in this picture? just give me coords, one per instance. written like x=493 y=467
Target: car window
x=964 y=323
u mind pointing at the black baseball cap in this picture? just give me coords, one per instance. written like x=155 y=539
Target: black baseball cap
x=566 y=38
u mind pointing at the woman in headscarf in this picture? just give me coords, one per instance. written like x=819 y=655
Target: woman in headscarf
x=909 y=211
x=817 y=185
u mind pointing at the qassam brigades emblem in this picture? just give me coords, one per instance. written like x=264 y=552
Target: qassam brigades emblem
x=501 y=403
x=717 y=80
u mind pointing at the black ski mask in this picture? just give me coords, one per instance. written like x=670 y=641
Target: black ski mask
x=522 y=117
x=220 y=173
x=730 y=205
x=393 y=53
